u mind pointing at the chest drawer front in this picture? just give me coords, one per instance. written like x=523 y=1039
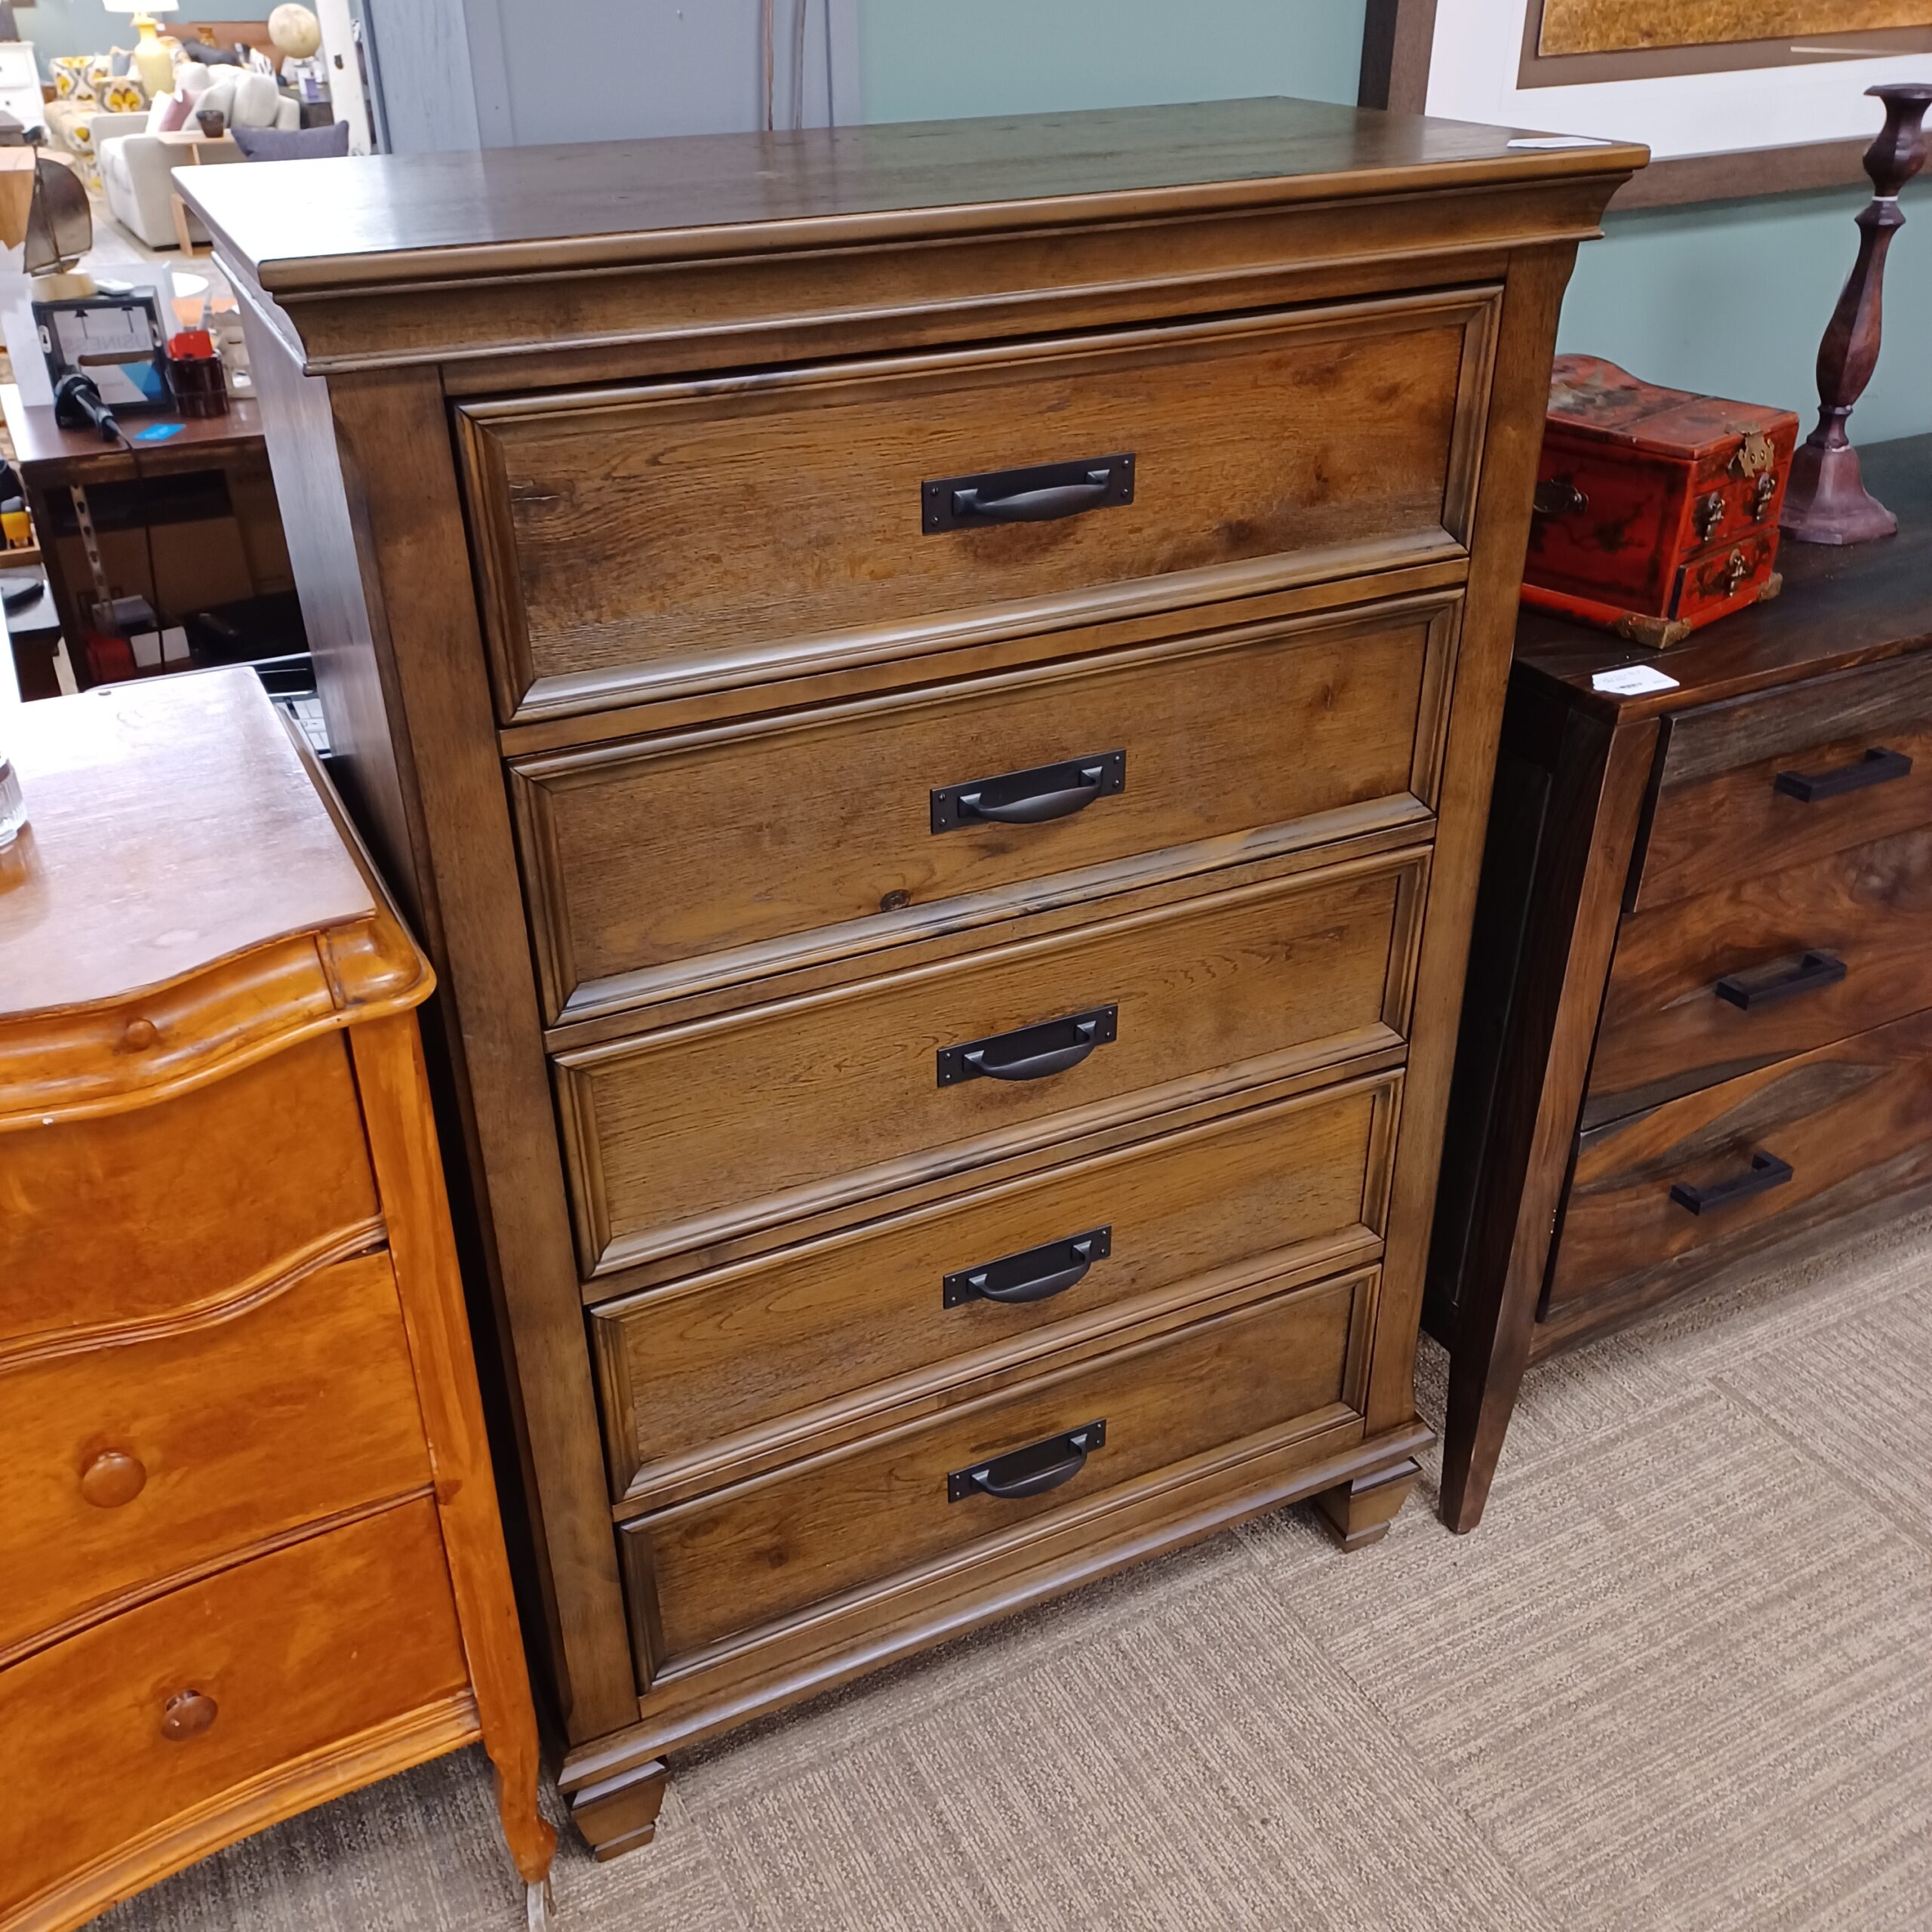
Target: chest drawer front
x=682 y=535
x=141 y=1215
x=124 y=1465
x=1774 y=963
x=753 y=1356
x=684 y=1136
x=1764 y=782
x=767 y=1550
x=1762 y=1157
x=198 y=1699
x=780 y=840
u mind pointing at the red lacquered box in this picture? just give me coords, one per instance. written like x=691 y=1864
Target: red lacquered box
x=1657 y=511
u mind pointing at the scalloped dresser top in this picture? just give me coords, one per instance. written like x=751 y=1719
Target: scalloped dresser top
x=178 y=857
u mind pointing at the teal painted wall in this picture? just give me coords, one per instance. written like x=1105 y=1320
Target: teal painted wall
x=922 y=59
x=85 y=26
x=1729 y=297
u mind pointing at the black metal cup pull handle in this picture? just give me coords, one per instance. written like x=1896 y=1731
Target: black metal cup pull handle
x=1813 y=974
x=1043 y=494
x=1765 y=1172
x=1032 y=1470
x=1030 y=1053
x=1032 y=796
x=1044 y=505
x=1037 y=1274
x=1878 y=767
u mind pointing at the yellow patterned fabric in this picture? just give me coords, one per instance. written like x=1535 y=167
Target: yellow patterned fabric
x=73 y=77
x=121 y=93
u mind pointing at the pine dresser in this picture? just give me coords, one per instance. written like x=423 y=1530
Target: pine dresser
x=1699 y=1021
x=933 y=689
x=250 y=1556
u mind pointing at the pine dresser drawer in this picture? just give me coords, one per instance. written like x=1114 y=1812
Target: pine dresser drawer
x=1662 y=1197
x=142 y=1459
x=152 y=1213
x=687 y=1136
x=749 y=1557
x=1773 y=963
x=685 y=534
x=745 y=1362
x=770 y=842
x=1760 y=783
x=204 y=1697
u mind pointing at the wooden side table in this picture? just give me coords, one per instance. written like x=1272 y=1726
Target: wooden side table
x=197 y=150
x=250 y=1554
x=1699 y=1021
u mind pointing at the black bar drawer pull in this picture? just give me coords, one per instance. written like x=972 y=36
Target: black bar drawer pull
x=1035 y=1275
x=1766 y=1172
x=1030 y=1053
x=1813 y=974
x=1032 y=1470
x=1047 y=491
x=1032 y=796
x=1878 y=767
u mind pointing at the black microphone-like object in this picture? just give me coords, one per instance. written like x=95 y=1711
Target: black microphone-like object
x=77 y=405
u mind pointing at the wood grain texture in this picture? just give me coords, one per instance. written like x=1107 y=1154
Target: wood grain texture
x=298 y=1404
x=728 y=1563
x=217 y=1192
x=1570 y=796
x=851 y=1326
x=390 y=1072
x=442 y=217
x=307 y=1650
x=778 y=839
x=391 y=439
x=1213 y=994
x=628 y=538
x=1854 y=1119
x=1664 y=1029
x=979 y=256
x=1512 y=439
x=1722 y=763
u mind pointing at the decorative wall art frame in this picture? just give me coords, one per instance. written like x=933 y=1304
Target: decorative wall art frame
x=1734 y=96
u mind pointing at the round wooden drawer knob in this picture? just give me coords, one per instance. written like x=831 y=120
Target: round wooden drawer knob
x=113 y=1477
x=138 y=1035
x=185 y=1714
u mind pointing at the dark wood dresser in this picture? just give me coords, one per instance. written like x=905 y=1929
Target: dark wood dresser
x=934 y=688
x=1697 y=1023
x=250 y=1553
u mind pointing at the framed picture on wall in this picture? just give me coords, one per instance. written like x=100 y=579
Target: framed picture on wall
x=1734 y=96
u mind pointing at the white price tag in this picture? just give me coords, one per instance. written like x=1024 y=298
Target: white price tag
x=1633 y=680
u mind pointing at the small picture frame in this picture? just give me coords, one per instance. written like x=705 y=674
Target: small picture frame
x=114 y=338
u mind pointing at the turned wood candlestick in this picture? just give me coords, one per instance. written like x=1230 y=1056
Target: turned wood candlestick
x=1826 y=501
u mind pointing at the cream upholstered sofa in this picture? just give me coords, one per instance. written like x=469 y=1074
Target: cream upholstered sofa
x=136 y=167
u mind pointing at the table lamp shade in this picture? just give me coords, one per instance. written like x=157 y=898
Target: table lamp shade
x=142 y=6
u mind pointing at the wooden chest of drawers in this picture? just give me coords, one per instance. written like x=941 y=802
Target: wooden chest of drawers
x=934 y=687
x=1701 y=1004
x=250 y=1556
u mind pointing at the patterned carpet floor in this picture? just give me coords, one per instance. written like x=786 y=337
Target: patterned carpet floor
x=1681 y=1678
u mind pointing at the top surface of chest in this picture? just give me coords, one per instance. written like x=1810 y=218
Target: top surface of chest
x=391 y=218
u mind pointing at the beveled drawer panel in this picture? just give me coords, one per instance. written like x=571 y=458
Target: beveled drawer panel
x=1760 y=783
x=131 y=1462
x=681 y=535
x=1850 y=1122
x=750 y=1556
x=783 y=839
x=1775 y=962
x=683 y=1137
x=749 y=1359
x=117 y=1739
x=137 y=1216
